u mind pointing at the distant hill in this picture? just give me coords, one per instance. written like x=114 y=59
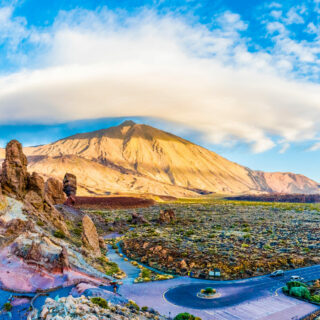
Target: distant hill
x=137 y=158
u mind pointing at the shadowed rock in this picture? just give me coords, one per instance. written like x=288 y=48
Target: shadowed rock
x=70 y=188
x=70 y=184
x=54 y=191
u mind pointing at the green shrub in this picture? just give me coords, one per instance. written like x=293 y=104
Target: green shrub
x=40 y=223
x=186 y=316
x=77 y=231
x=100 y=302
x=285 y=289
x=209 y=290
x=7 y=306
x=144 y=308
x=315 y=298
x=300 y=292
x=131 y=304
x=59 y=234
x=292 y=284
x=145 y=273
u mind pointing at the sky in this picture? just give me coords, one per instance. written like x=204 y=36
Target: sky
x=238 y=77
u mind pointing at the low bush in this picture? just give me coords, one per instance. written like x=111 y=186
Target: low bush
x=7 y=306
x=59 y=234
x=186 y=316
x=132 y=305
x=300 y=292
x=292 y=284
x=100 y=302
x=209 y=290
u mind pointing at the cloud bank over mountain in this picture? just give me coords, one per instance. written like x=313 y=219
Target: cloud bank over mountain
x=209 y=77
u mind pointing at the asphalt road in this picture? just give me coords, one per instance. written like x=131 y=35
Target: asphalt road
x=234 y=292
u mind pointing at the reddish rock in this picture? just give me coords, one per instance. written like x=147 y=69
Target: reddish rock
x=14 y=176
x=90 y=238
x=167 y=216
x=53 y=191
x=71 y=201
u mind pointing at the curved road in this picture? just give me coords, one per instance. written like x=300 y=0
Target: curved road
x=234 y=292
x=249 y=299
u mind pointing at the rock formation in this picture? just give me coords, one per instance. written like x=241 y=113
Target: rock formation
x=16 y=182
x=64 y=260
x=70 y=188
x=14 y=176
x=90 y=238
x=53 y=191
x=42 y=252
x=102 y=243
x=138 y=218
x=35 y=191
x=166 y=216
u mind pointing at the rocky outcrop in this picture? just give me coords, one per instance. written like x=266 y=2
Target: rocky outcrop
x=70 y=188
x=41 y=252
x=90 y=238
x=138 y=218
x=167 y=216
x=14 y=176
x=35 y=191
x=53 y=191
x=84 y=308
x=17 y=183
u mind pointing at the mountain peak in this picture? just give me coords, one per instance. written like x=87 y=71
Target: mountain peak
x=127 y=123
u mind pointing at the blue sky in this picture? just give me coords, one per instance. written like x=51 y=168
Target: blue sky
x=238 y=77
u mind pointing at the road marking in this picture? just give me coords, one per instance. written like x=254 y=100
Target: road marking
x=276 y=292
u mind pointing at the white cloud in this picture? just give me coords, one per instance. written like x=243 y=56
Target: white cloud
x=315 y=147
x=107 y=64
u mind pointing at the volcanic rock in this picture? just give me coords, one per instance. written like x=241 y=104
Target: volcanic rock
x=54 y=191
x=102 y=243
x=70 y=184
x=64 y=260
x=138 y=218
x=90 y=238
x=166 y=216
x=14 y=176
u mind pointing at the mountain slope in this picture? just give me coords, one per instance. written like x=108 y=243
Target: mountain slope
x=142 y=159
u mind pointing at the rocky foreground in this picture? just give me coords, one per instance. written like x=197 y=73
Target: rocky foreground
x=92 y=309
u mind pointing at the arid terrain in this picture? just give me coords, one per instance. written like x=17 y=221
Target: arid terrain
x=138 y=159
x=221 y=234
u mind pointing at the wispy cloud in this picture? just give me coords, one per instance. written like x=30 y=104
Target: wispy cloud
x=111 y=63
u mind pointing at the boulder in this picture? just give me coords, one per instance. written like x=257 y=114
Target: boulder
x=167 y=216
x=14 y=175
x=102 y=243
x=53 y=191
x=90 y=238
x=138 y=218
